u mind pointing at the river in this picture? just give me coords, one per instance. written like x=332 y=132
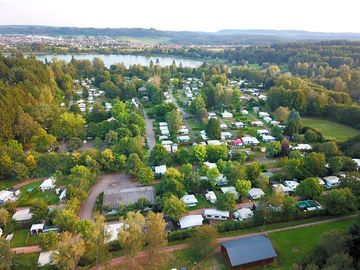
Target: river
x=127 y=60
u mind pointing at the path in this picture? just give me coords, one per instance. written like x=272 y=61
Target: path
x=150 y=134
x=168 y=249
x=105 y=181
x=29 y=181
x=26 y=250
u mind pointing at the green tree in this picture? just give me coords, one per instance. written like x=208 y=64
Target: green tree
x=98 y=238
x=309 y=188
x=131 y=236
x=336 y=164
x=42 y=141
x=339 y=201
x=70 y=125
x=69 y=251
x=174 y=120
x=199 y=152
x=155 y=236
x=4 y=217
x=159 y=156
x=212 y=129
x=39 y=211
x=172 y=182
x=273 y=149
x=216 y=152
x=145 y=175
x=253 y=171
x=133 y=164
x=203 y=242
x=293 y=124
x=174 y=207
x=6 y=254
x=48 y=241
x=314 y=164
x=243 y=187
x=226 y=202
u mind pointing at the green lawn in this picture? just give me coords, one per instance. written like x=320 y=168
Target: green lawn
x=290 y=245
x=24 y=238
x=330 y=129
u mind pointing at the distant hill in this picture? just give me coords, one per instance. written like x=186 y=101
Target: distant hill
x=225 y=37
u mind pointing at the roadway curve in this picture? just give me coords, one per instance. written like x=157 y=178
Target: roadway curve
x=105 y=181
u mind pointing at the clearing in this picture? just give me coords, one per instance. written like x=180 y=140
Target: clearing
x=330 y=129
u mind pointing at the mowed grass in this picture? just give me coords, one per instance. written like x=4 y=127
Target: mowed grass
x=290 y=245
x=330 y=129
x=23 y=238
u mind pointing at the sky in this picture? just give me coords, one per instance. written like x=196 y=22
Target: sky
x=192 y=15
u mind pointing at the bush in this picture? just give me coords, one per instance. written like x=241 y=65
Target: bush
x=180 y=234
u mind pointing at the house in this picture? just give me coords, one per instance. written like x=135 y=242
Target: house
x=357 y=161
x=275 y=123
x=225 y=135
x=268 y=138
x=7 y=196
x=256 y=123
x=62 y=195
x=227 y=114
x=263 y=114
x=113 y=197
x=308 y=205
x=321 y=182
x=212 y=115
x=190 y=221
x=112 y=230
x=211 y=196
x=214 y=142
x=282 y=188
x=230 y=190
x=239 y=124
x=45 y=258
x=160 y=170
x=164 y=131
x=267 y=119
x=246 y=252
x=210 y=165
x=262 y=132
x=244 y=112
x=48 y=184
x=263 y=97
x=202 y=134
x=243 y=214
x=256 y=193
x=302 y=147
x=237 y=142
x=183 y=139
x=37 y=228
x=332 y=181
x=216 y=214
x=221 y=180
x=189 y=200
x=291 y=184
x=223 y=126
x=163 y=124
x=249 y=140
x=22 y=215
x=183 y=131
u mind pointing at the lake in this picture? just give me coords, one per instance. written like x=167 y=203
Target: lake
x=127 y=60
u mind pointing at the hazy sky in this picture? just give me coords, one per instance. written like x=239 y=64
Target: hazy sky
x=201 y=15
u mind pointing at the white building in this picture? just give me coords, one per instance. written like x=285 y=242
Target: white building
x=282 y=188
x=227 y=114
x=48 y=184
x=243 y=214
x=210 y=165
x=7 y=196
x=216 y=214
x=256 y=193
x=268 y=138
x=183 y=139
x=332 y=181
x=37 y=228
x=190 y=221
x=357 y=161
x=223 y=126
x=291 y=184
x=45 y=258
x=112 y=230
x=22 y=215
x=213 y=142
x=244 y=112
x=263 y=114
x=249 y=140
x=160 y=170
x=230 y=190
x=189 y=200
x=225 y=135
x=302 y=147
x=262 y=132
x=239 y=124
x=211 y=196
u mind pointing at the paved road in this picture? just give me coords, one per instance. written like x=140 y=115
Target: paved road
x=169 y=249
x=104 y=181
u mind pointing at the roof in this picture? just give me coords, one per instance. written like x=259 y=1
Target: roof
x=243 y=213
x=189 y=199
x=160 y=169
x=282 y=188
x=210 y=195
x=302 y=146
x=115 y=196
x=210 y=164
x=48 y=183
x=256 y=192
x=215 y=212
x=45 y=258
x=331 y=179
x=190 y=221
x=22 y=215
x=249 y=249
x=307 y=204
x=113 y=230
x=39 y=226
x=5 y=194
x=213 y=142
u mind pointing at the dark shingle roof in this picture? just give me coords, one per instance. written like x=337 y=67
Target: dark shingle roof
x=249 y=249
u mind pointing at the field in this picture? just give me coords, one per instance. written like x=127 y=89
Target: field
x=331 y=129
x=24 y=238
x=290 y=245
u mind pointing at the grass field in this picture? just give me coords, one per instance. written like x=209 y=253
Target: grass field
x=330 y=129
x=23 y=238
x=290 y=246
